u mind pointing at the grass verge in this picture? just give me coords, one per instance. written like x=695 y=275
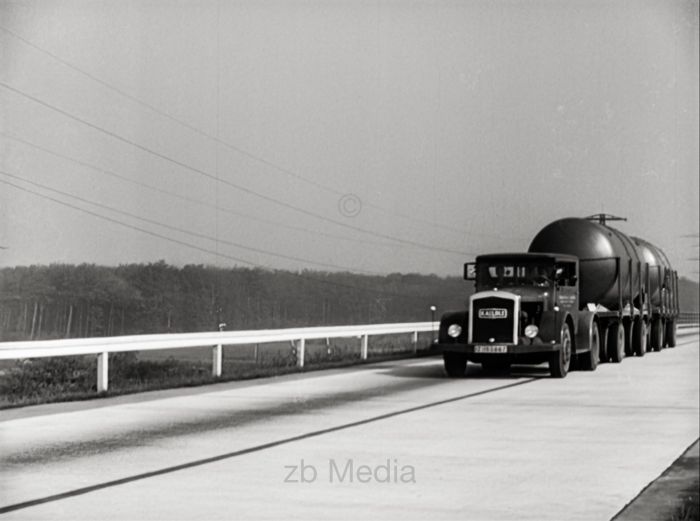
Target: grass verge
x=673 y=496
x=689 y=507
x=60 y=379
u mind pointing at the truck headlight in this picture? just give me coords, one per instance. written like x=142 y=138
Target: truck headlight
x=454 y=330
x=531 y=331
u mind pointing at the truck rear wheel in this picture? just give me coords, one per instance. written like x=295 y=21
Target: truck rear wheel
x=455 y=364
x=639 y=336
x=657 y=334
x=589 y=362
x=560 y=361
x=670 y=333
x=616 y=342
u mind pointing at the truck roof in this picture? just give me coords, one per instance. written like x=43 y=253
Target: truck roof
x=529 y=257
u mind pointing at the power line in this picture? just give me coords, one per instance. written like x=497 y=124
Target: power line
x=182 y=230
x=172 y=118
x=228 y=145
x=198 y=248
x=193 y=200
x=226 y=182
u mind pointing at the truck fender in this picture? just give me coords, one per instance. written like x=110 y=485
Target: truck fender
x=584 y=333
x=550 y=326
x=454 y=317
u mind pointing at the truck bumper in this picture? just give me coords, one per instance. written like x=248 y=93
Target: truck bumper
x=514 y=353
x=511 y=349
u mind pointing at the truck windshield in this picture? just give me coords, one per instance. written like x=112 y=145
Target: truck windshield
x=512 y=274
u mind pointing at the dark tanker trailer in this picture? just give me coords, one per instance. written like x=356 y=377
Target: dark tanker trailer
x=584 y=293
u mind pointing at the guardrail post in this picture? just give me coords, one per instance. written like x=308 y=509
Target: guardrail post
x=415 y=341
x=365 y=347
x=217 y=359
x=102 y=372
x=300 y=352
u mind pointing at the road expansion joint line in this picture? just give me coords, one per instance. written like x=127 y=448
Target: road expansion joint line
x=249 y=450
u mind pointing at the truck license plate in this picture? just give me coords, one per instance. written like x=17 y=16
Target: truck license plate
x=491 y=349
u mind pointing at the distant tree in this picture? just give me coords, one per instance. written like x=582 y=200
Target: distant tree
x=64 y=300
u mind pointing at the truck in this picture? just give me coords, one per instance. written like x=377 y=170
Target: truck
x=583 y=293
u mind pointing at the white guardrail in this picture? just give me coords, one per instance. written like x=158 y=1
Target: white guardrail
x=102 y=346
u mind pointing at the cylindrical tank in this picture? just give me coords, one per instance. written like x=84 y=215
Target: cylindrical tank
x=659 y=269
x=597 y=246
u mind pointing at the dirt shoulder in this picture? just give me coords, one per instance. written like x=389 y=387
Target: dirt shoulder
x=671 y=495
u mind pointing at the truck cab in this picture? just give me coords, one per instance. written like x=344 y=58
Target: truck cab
x=525 y=309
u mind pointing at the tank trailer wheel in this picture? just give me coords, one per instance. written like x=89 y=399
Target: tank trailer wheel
x=656 y=338
x=628 y=327
x=670 y=336
x=639 y=337
x=590 y=359
x=603 y=343
x=455 y=364
x=560 y=361
x=616 y=342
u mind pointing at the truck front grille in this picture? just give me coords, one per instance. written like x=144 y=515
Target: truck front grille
x=493 y=319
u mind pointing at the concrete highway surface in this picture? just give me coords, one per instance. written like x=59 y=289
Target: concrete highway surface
x=390 y=440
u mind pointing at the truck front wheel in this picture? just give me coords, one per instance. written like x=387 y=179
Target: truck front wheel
x=455 y=364
x=560 y=361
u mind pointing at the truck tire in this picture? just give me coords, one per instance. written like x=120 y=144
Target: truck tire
x=670 y=334
x=590 y=359
x=560 y=361
x=455 y=364
x=639 y=336
x=656 y=338
x=603 y=337
x=627 y=325
x=616 y=342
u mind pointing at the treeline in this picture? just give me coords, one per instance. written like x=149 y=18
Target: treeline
x=68 y=301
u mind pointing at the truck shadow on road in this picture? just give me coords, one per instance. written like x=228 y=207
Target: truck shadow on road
x=474 y=371
x=236 y=414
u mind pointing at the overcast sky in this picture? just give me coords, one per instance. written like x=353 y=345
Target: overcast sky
x=369 y=136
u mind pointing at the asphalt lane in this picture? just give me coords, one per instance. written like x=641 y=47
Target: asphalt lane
x=383 y=441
